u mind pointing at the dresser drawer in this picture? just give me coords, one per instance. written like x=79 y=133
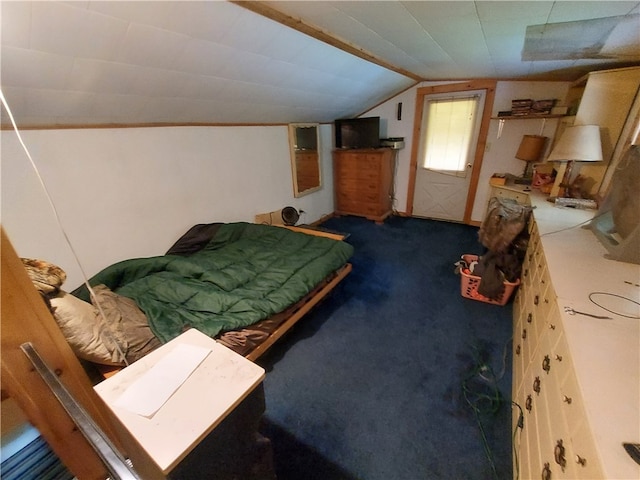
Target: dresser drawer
x=519 y=197
x=583 y=454
x=363 y=182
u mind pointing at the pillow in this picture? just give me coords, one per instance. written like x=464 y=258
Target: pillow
x=81 y=325
x=123 y=332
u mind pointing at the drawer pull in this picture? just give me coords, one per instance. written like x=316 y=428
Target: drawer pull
x=528 y=403
x=524 y=333
x=581 y=460
x=536 y=300
x=558 y=454
x=566 y=399
x=530 y=318
x=536 y=385
x=552 y=326
x=559 y=357
x=518 y=349
x=546 y=472
x=526 y=272
x=546 y=364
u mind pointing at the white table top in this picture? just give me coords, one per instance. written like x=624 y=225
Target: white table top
x=213 y=390
x=605 y=353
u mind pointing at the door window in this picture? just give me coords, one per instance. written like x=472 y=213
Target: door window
x=449 y=127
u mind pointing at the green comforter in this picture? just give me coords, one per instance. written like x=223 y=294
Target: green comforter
x=244 y=274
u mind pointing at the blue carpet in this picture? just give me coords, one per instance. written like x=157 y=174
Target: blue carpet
x=376 y=382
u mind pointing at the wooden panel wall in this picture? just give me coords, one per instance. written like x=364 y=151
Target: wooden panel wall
x=25 y=318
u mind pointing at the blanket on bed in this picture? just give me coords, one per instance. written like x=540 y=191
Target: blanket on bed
x=244 y=273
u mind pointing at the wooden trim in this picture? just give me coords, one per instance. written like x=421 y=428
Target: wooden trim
x=25 y=318
x=490 y=87
x=315 y=232
x=267 y=11
x=138 y=125
x=304 y=309
x=382 y=102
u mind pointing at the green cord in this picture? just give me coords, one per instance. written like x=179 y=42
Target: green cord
x=492 y=403
x=519 y=426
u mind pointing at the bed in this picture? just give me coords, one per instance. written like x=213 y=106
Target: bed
x=243 y=284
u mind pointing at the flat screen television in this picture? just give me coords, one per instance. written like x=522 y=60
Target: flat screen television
x=357 y=132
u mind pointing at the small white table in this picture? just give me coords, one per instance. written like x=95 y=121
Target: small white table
x=210 y=394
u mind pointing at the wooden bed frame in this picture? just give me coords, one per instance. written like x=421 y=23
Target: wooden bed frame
x=294 y=314
x=300 y=311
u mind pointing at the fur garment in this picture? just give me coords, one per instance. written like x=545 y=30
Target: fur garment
x=45 y=276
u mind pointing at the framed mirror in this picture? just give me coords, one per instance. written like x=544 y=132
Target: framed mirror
x=304 y=143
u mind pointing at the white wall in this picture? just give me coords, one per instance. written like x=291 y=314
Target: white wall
x=123 y=193
x=500 y=153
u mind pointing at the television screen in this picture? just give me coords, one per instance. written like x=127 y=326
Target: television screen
x=357 y=132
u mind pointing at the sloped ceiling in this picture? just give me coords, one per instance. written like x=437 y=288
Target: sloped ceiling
x=215 y=62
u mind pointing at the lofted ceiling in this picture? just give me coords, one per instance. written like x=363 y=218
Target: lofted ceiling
x=82 y=63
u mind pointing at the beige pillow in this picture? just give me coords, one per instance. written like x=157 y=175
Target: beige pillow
x=81 y=325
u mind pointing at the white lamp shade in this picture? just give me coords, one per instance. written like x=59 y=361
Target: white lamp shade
x=580 y=143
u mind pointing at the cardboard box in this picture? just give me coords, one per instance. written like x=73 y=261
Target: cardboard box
x=497 y=180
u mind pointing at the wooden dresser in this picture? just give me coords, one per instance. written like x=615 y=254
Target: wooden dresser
x=575 y=377
x=363 y=182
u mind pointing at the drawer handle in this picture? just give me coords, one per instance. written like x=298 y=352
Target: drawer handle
x=528 y=403
x=518 y=349
x=546 y=472
x=526 y=272
x=581 y=460
x=536 y=300
x=558 y=454
x=524 y=333
x=566 y=399
x=559 y=357
x=546 y=364
x=536 y=385
x=529 y=318
x=552 y=326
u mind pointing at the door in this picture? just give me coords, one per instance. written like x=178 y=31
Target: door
x=447 y=148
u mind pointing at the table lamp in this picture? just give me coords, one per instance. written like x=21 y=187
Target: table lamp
x=530 y=149
x=579 y=143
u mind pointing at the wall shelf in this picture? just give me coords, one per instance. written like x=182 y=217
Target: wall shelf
x=524 y=117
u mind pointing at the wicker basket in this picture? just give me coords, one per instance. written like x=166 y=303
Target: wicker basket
x=469 y=286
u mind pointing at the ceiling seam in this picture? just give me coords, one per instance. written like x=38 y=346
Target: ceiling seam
x=321 y=35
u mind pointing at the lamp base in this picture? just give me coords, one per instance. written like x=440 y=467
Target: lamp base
x=565 y=185
x=522 y=181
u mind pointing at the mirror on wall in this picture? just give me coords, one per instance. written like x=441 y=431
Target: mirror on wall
x=304 y=141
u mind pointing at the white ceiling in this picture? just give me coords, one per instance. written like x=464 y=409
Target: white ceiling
x=114 y=62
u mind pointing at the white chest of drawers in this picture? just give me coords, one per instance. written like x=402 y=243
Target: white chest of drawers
x=576 y=378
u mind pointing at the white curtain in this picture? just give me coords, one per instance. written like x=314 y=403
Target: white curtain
x=448 y=129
